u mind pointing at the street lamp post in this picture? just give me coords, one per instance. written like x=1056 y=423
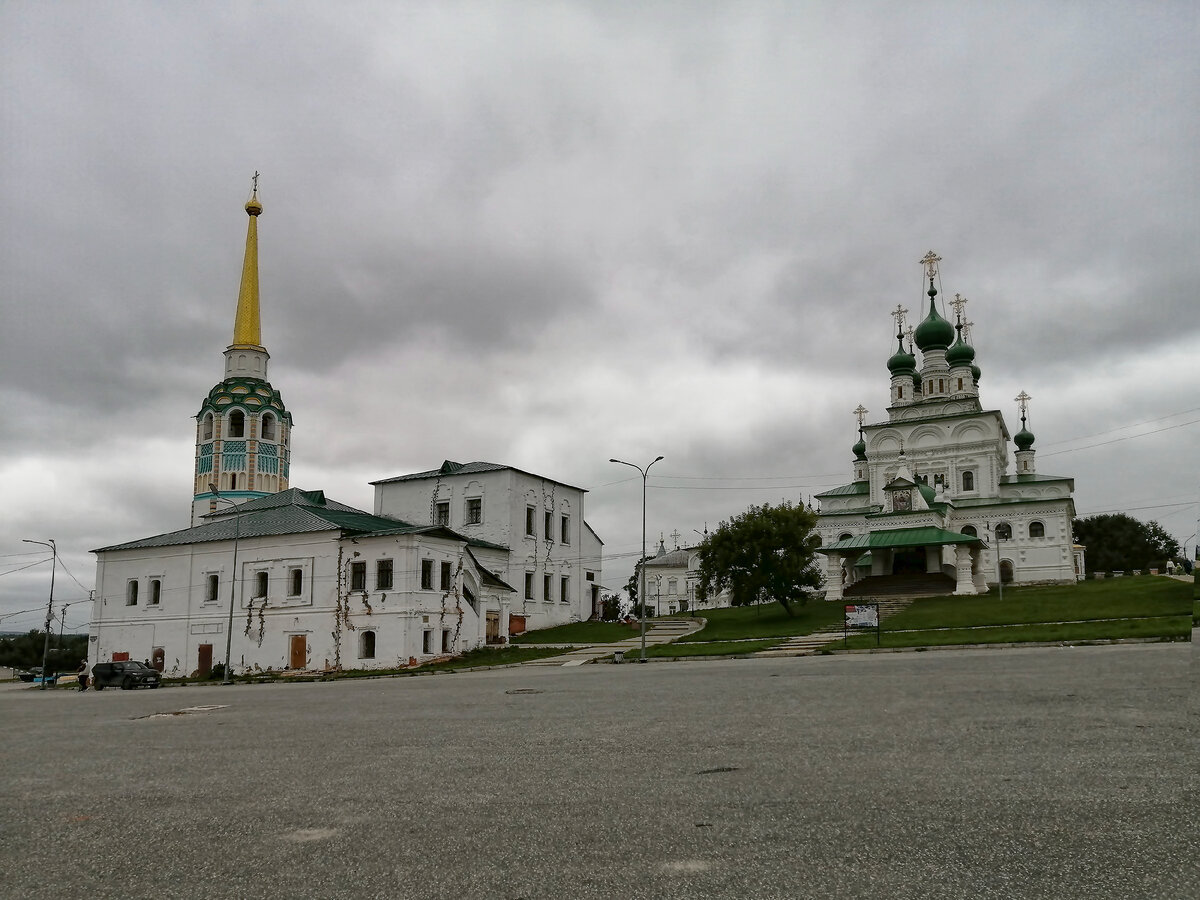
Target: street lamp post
x=642 y=563
x=999 y=561
x=237 y=529
x=49 y=606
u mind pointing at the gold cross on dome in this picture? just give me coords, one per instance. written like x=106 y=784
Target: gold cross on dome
x=958 y=303
x=930 y=261
x=967 y=331
x=898 y=314
x=861 y=412
x=909 y=334
x=255 y=180
x=1023 y=399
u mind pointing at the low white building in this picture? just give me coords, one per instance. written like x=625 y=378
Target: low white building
x=553 y=558
x=316 y=585
x=671 y=579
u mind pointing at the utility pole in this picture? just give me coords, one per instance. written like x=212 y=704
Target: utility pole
x=49 y=606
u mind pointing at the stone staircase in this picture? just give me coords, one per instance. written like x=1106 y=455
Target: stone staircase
x=876 y=587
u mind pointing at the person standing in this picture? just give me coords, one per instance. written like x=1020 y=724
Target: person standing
x=82 y=671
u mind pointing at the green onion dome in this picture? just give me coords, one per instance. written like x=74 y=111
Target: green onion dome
x=917 y=382
x=1023 y=438
x=901 y=362
x=927 y=492
x=975 y=372
x=860 y=449
x=935 y=333
x=961 y=354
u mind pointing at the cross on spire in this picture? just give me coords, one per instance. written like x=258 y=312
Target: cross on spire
x=898 y=314
x=861 y=412
x=957 y=304
x=255 y=181
x=930 y=261
x=1023 y=399
x=966 y=326
x=909 y=334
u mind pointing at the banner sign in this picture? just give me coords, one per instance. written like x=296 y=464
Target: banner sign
x=863 y=616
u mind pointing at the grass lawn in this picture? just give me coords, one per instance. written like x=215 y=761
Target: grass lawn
x=713 y=648
x=1137 y=607
x=1165 y=626
x=767 y=620
x=579 y=633
x=1108 y=599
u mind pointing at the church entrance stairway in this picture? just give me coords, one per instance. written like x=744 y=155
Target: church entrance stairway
x=908 y=585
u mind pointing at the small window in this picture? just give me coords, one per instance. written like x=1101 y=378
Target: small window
x=427 y=574
x=941 y=385
x=441 y=513
x=474 y=510
x=427 y=641
x=845 y=536
x=237 y=424
x=131 y=593
x=268 y=427
x=366 y=645
x=358 y=576
x=528 y=585
x=383 y=575
x=968 y=481
x=445 y=640
x=960 y=384
x=548 y=530
x=590 y=576
x=446 y=583
x=565 y=530
x=1037 y=529
x=970 y=530
x=564 y=587
x=233 y=482
x=672 y=585
x=208 y=427
x=156 y=590
x=1004 y=532
x=900 y=392
x=213 y=586
x=295 y=582
x=547 y=585
x=260 y=584
x=530 y=516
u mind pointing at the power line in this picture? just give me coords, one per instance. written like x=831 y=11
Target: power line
x=28 y=566
x=1127 y=437
x=1123 y=427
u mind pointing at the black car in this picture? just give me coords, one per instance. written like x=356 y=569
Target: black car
x=128 y=675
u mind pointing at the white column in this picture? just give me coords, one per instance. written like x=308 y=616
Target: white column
x=833 y=577
x=978 y=575
x=962 y=568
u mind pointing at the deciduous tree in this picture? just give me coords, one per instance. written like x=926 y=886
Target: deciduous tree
x=766 y=553
x=1119 y=542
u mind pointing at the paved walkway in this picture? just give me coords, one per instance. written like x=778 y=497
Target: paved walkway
x=658 y=633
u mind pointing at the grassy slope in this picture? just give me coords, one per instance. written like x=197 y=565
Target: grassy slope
x=766 y=620
x=578 y=633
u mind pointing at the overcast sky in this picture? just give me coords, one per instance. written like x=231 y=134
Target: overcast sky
x=546 y=234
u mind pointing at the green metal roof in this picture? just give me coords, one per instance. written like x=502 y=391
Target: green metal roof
x=847 y=490
x=450 y=467
x=291 y=512
x=899 y=538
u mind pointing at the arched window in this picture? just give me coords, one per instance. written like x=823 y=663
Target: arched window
x=672 y=585
x=1037 y=529
x=237 y=424
x=208 y=427
x=968 y=481
x=366 y=645
x=233 y=481
x=1004 y=532
x=970 y=530
x=845 y=536
x=1006 y=570
x=268 y=427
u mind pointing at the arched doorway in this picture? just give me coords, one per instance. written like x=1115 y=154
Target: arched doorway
x=1006 y=570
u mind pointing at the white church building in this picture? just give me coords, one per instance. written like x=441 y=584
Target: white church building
x=451 y=559
x=933 y=505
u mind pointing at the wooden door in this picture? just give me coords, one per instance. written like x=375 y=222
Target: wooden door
x=492 y=624
x=298 y=655
x=158 y=659
x=204 y=659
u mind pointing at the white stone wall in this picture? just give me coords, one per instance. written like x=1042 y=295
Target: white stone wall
x=329 y=615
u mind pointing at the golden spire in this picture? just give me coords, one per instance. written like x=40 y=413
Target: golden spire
x=247 y=328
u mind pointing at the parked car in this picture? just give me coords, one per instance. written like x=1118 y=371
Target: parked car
x=34 y=676
x=128 y=675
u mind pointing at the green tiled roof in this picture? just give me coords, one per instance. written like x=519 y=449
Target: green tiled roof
x=897 y=538
x=290 y=512
x=847 y=490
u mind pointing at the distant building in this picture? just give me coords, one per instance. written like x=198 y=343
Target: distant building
x=932 y=494
x=671 y=579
